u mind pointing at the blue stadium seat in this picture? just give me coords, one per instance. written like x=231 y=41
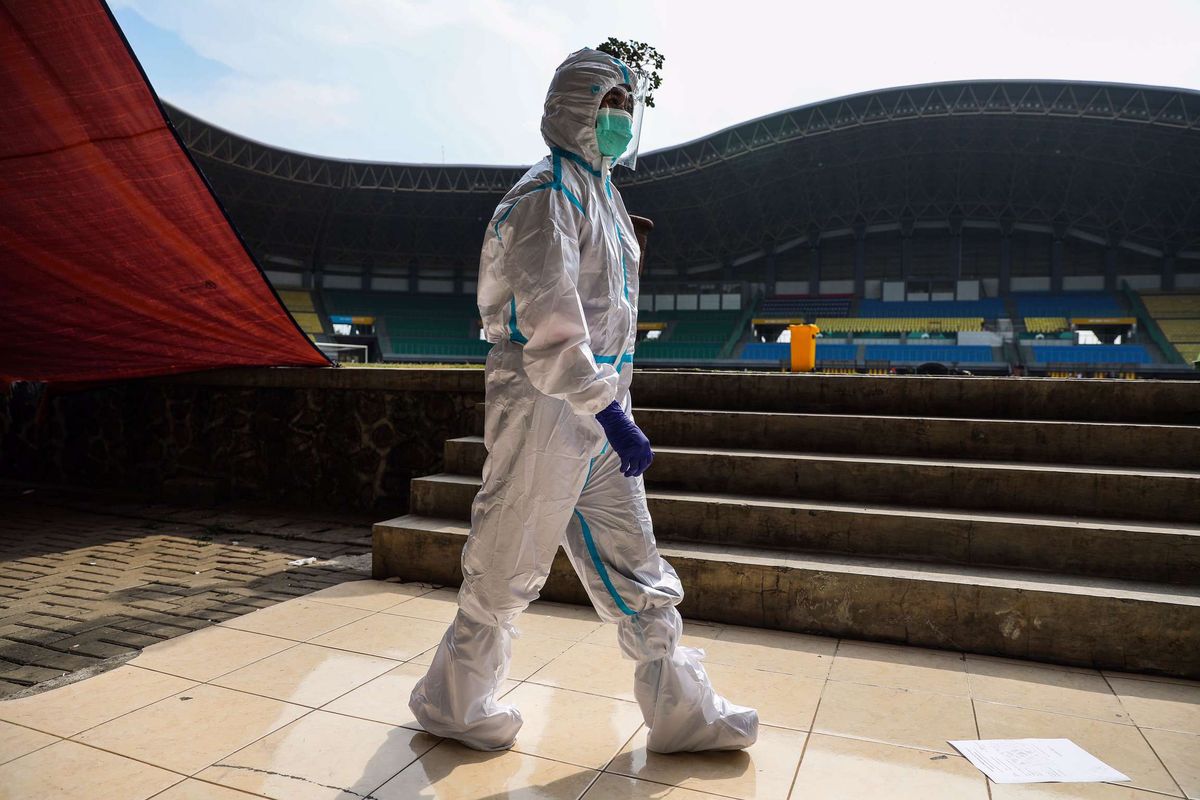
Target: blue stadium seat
x=1092 y=354
x=776 y=351
x=922 y=353
x=1068 y=304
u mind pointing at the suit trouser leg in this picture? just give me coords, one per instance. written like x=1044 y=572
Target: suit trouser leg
x=610 y=540
x=538 y=450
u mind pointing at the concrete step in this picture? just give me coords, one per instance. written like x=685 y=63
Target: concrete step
x=1100 y=548
x=1093 y=622
x=1108 y=444
x=1110 y=493
x=1149 y=402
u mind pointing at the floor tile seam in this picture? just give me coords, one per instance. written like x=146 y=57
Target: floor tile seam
x=705 y=792
x=391 y=613
x=1162 y=763
x=1167 y=730
x=1133 y=720
x=307 y=712
x=1128 y=724
x=366 y=614
x=441 y=741
x=344 y=649
x=210 y=783
x=55 y=736
x=1144 y=677
x=987 y=783
x=370 y=795
x=898 y=688
x=812 y=723
x=577 y=691
x=530 y=677
x=297 y=702
x=334 y=602
x=949 y=751
x=1026 y=662
x=979 y=734
x=194 y=684
x=183 y=775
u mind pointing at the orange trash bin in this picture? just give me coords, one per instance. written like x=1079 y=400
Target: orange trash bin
x=804 y=347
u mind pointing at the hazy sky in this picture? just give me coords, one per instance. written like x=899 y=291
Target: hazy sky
x=462 y=81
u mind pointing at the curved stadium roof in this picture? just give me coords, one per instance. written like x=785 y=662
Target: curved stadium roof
x=1111 y=162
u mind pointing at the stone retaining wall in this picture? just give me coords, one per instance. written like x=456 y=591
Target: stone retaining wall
x=314 y=438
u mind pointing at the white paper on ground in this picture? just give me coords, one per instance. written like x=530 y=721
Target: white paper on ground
x=1036 y=761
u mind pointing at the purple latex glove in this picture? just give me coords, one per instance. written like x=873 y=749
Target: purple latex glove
x=627 y=439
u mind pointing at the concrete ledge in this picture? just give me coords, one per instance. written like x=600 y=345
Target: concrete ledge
x=1098 y=548
x=1155 y=402
x=1109 y=444
x=978 y=485
x=993 y=612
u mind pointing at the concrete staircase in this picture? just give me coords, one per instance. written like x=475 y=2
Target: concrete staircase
x=1042 y=519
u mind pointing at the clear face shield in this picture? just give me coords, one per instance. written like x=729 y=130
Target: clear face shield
x=629 y=97
x=638 y=84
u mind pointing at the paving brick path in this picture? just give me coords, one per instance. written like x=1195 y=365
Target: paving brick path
x=84 y=585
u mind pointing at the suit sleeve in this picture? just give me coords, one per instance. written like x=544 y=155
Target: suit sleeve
x=540 y=263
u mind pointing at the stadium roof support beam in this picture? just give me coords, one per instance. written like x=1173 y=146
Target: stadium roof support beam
x=1039 y=153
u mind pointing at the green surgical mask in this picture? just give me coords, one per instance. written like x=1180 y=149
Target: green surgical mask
x=614 y=130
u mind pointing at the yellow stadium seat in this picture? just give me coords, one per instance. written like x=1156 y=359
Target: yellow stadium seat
x=1181 y=330
x=1046 y=324
x=297 y=300
x=1172 y=305
x=308 y=321
x=898 y=324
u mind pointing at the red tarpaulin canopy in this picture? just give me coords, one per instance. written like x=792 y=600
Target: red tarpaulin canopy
x=116 y=260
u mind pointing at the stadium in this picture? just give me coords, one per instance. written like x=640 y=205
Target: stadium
x=1038 y=228
x=970 y=523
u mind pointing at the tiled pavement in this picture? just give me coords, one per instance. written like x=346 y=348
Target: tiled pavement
x=308 y=699
x=86 y=584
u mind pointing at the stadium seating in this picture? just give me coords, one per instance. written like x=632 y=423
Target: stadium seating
x=299 y=304
x=1068 y=304
x=650 y=349
x=416 y=325
x=779 y=351
x=694 y=327
x=990 y=308
x=898 y=324
x=1168 y=306
x=402 y=346
x=1178 y=316
x=1181 y=330
x=1092 y=354
x=1046 y=324
x=950 y=354
x=803 y=307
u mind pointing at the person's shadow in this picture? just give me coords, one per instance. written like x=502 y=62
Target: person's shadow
x=499 y=775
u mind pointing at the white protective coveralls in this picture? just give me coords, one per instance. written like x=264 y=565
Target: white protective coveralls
x=558 y=289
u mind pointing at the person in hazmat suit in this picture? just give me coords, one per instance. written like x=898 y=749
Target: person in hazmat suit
x=558 y=289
